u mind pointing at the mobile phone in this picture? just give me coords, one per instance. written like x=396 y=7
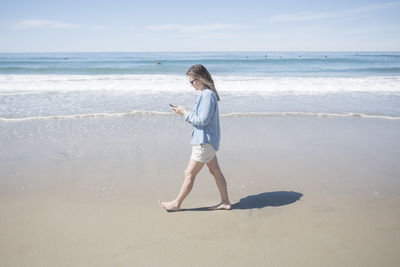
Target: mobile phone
x=172 y=106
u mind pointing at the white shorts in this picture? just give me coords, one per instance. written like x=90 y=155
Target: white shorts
x=203 y=153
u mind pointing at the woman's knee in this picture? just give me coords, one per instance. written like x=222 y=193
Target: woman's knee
x=212 y=170
x=189 y=175
x=215 y=170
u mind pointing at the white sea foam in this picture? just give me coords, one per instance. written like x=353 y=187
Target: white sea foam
x=308 y=114
x=159 y=113
x=92 y=115
x=147 y=84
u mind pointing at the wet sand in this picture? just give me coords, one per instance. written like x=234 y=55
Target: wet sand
x=306 y=191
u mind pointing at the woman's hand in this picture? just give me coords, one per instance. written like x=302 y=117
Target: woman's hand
x=180 y=110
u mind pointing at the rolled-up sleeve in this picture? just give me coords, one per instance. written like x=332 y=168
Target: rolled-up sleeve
x=204 y=113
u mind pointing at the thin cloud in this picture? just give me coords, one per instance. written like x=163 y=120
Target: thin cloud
x=189 y=28
x=328 y=15
x=38 y=23
x=50 y=24
x=299 y=17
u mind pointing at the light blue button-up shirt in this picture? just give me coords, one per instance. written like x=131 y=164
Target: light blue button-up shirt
x=205 y=120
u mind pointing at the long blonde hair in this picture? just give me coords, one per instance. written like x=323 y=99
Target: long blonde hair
x=199 y=72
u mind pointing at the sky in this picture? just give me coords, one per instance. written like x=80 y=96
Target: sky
x=169 y=26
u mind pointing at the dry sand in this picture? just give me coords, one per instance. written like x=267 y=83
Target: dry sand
x=306 y=192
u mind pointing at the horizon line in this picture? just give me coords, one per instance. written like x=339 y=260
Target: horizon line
x=211 y=51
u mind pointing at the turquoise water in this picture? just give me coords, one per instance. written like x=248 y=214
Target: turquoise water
x=249 y=63
x=76 y=85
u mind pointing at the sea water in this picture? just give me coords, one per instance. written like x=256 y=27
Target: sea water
x=101 y=122
x=48 y=86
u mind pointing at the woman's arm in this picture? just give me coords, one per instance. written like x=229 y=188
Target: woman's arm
x=205 y=112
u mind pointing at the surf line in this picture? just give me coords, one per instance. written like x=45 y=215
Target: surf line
x=308 y=114
x=161 y=113
x=90 y=115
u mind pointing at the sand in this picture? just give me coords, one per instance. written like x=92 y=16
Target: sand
x=306 y=191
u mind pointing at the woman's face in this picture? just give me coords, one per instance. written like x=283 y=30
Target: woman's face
x=197 y=84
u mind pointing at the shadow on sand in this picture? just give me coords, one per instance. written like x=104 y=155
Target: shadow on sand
x=266 y=199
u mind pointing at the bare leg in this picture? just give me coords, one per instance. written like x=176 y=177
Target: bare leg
x=191 y=171
x=215 y=170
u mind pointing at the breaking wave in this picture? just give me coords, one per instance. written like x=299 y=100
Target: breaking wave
x=143 y=113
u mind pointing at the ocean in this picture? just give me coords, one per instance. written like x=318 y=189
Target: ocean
x=310 y=141
x=49 y=86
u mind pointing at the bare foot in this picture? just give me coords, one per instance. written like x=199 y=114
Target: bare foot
x=221 y=206
x=169 y=206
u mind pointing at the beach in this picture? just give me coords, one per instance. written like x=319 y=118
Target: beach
x=310 y=155
x=305 y=192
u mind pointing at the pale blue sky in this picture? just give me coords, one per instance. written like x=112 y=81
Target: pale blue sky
x=119 y=25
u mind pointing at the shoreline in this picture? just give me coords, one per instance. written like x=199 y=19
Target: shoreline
x=233 y=114
x=305 y=191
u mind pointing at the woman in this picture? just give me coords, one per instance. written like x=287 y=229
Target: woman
x=205 y=139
